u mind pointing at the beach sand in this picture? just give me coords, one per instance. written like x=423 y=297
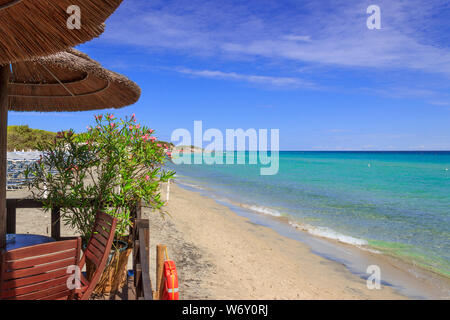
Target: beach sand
x=221 y=255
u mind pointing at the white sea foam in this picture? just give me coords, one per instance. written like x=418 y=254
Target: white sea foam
x=263 y=210
x=322 y=232
x=330 y=234
x=196 y=186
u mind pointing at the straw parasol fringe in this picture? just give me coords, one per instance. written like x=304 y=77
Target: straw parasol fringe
x=32 y=28
x=68 y=81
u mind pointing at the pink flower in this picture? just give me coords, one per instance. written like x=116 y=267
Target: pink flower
x=138 y=126
x=113 y=125
x=151 y=131
x=169 y=154
x=159 y=145
x=153 y=139
x=147 y=178
x=111 y=116
x=133 y=116
x=100 y=117
x=130 y=127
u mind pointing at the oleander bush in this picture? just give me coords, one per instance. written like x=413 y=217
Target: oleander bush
x=116 y=163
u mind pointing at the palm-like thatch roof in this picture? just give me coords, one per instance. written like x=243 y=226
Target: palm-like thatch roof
x=32 y=28
x=68 y=81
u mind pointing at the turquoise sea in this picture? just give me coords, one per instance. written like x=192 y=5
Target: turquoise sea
x=397 y=203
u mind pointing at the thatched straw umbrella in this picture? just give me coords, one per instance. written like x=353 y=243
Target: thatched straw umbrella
x=67 y=81
x=34 y=28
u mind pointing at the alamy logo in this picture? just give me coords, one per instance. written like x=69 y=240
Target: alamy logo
x=374 y=279
x=374 y=21
x=74 y=280
x=74 y=21
x=233 y=149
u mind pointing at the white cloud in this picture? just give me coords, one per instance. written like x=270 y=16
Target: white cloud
x=332 y=32
x=440 y=103
x=339 y=131
x=318 y=36
x=266 y=80
x=297 y=38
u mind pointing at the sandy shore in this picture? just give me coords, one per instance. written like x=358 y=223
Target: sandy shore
x=221 y=255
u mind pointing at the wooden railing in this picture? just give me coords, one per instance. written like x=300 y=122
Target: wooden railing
x=141 y=262
x=141 y=253
x=11 y=213
x=139 y=232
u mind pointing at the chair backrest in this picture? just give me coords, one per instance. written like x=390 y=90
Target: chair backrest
x=39 y=272
x=98 y=250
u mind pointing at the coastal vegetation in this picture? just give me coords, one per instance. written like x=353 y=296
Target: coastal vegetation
x=25 y=138
x=115 y=163
x=111 y=168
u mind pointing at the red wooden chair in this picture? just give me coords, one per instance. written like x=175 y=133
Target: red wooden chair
x=39 y=272
x=97 y=252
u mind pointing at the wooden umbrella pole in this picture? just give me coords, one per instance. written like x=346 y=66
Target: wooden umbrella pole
x=4 y=79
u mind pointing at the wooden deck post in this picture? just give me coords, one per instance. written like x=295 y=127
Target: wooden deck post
x=139 y=210
x=141 y=260
x=160 y=249
x=11 y=217
x=4 y=80
x=56 y=223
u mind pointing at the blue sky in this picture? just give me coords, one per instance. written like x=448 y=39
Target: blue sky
x=309 y=68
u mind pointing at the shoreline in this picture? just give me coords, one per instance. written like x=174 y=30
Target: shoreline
x=409 y=278
x=222 y=255
x=225 y=253
x=419 y=268
x=404 y=279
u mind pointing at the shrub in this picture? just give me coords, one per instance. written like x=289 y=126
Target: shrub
x=109 y=168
